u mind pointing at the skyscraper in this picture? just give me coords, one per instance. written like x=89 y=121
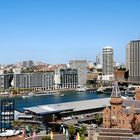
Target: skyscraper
x=98 y=59
x=133 y=60
x=108 y=67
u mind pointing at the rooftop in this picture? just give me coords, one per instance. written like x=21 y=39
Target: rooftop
x=75 y=106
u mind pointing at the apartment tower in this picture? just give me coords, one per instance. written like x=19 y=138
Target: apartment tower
x=133 y=60
x=108 y=68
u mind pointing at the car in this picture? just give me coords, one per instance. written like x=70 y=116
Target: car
x=93 y=125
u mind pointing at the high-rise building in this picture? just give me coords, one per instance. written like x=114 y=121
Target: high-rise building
x=133 y=60
x=108 y=65
x=98 y=59
x=81 y=65
x=7 y=107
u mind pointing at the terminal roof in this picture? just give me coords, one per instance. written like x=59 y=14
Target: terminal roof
x=70 y=106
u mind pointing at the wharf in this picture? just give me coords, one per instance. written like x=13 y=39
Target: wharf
x=92 y=89
x=76 y=106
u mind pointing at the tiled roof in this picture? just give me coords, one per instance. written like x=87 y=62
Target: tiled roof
x=131 y=103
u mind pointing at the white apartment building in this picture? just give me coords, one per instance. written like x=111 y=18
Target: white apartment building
x=108 y=63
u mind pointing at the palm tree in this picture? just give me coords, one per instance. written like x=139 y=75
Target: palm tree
x=82 y=132
x=72 y=131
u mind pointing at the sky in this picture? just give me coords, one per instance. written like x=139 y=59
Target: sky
x=56 y=31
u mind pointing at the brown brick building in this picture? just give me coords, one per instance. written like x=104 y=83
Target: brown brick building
x=122 y=111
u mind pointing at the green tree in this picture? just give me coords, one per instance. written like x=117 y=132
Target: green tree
x=133 y=123
x=137 y=128
x=98 y=119
x=82 y=133
x=14 y=91
x=72 y=131
x=16 y=123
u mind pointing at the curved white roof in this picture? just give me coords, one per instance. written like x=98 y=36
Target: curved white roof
x=108 y=47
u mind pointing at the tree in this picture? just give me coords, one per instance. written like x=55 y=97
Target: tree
x=82 y=132
x=98 y=119
x=14 y=91
x=16 y=123
x=72 y=131
x=137 y=128
x=133 y=123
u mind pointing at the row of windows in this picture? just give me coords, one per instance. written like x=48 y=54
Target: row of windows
x=120 y=121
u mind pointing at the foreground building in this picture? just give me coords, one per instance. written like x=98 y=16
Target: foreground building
x=124 y=113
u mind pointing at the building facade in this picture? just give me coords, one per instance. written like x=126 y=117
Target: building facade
x=7 y=107
x=108 y=63
x=81 y=65
x=28 y=64
x=69 y=78
x=123 y=113
x=133 y=60
x=35 y=81
x=5 y=81
x=40 y=81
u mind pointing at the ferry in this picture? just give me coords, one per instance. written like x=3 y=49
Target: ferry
x=58 y=94
x=30 y=94
x=100 y=90
x=81 y=88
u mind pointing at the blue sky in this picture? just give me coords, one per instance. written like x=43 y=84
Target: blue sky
x=56 y=31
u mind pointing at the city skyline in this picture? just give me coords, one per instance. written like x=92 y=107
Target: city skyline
x=59 y=31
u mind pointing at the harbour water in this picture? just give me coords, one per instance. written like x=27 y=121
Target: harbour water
x=21 y=102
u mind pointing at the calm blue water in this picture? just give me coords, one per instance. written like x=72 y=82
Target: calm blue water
x=21 y=102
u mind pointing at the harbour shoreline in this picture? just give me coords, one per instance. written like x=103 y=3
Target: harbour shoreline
x=40 y=93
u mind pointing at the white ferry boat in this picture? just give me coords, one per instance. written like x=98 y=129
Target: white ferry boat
x=30 y=94
x=81 y=88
